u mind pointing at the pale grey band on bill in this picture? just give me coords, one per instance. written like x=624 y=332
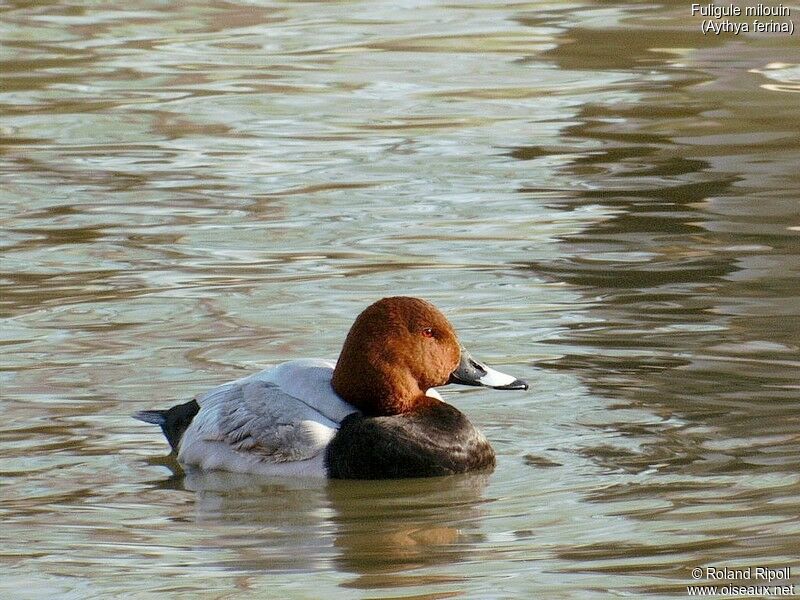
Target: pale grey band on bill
x=494 y=378
x=473 y=372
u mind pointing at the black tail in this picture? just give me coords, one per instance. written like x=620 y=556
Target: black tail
x=173 y=421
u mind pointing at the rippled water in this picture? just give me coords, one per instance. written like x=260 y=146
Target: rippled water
x=602 y=199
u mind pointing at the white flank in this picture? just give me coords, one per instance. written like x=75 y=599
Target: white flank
x=275 y=422
x=432 y=393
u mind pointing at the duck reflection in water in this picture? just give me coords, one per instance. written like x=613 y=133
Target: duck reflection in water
x=375 y=529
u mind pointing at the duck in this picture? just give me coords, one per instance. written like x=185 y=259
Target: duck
x=372 y=414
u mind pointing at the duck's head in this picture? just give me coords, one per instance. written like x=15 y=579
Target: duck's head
x=398 y=349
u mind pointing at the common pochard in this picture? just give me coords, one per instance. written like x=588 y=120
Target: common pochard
x=371 y=415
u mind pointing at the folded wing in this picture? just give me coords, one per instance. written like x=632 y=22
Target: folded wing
x=255 y=422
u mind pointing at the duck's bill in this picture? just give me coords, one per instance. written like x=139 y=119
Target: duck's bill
x=473 y=372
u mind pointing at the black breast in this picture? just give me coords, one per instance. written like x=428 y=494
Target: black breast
x=435 y=440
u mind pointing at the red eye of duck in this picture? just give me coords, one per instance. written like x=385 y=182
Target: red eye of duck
x=428 y=332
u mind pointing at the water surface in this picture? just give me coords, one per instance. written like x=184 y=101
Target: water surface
x=602 y=199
